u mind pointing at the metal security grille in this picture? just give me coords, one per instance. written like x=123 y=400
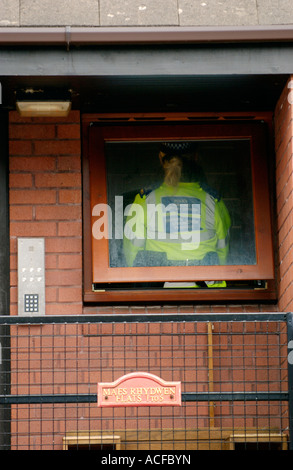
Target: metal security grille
x=233 y=371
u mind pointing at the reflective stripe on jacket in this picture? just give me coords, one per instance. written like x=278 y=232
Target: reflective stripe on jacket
x=185 y=222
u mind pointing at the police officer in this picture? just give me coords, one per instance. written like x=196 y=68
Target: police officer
x=183 y=222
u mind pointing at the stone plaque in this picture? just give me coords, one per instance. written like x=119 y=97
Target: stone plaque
x=139 y=389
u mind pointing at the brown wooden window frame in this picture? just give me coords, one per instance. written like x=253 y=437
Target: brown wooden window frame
x=103 y=283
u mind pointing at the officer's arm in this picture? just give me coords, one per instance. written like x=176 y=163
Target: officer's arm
x=134 y=229
x=223 y=224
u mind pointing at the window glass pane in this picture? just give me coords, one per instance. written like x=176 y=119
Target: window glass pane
x=205 y=217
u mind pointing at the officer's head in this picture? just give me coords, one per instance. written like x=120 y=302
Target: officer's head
x=177 y=149
x=179 y=161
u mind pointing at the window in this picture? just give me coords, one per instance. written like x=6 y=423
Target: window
x=207 y=235
x=90 y=441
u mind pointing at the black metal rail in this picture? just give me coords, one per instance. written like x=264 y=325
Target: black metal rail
x=143 y=318
x=191 y=397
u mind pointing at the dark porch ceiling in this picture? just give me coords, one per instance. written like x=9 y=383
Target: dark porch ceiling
x=157 y=93
x=194 y=78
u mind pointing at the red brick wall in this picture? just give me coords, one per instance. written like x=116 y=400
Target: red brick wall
x=45 y=201
x=284 y=187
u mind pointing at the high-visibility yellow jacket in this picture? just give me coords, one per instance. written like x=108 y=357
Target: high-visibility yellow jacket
x=187 y=223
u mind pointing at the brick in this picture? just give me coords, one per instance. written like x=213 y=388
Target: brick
x=284 y=157
x=58 y=147
x=286 y=200
x=68 y=131
x=13 y=244
x=64 y=278
x=33 y=196
x=285 y=299
x=203 y=309
x=69 y=261
x=58 y=212
x=13 y=278
x=31 y=163
x=70 y=294
x=281 y=124
x=286 y=223
x=220 y=309
x=287 y=279
x=70 y=229
x=51 y=294
x=63 y=245
x=58 y=180
x=90 y=330
x=282 y=188
x=20 y=180
x=63 y=309
x=69 y=163
x=20 y=147
x=29 y=131
x=21 y=213
x=285 y=220
x=285 y=147
x=283 y=194
x=285 y=245
x=13 y=294
x=51 y=261
x=13 y=261
x=70 y=196
x=98 y=309
x=286 y=262
x=33 y=229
